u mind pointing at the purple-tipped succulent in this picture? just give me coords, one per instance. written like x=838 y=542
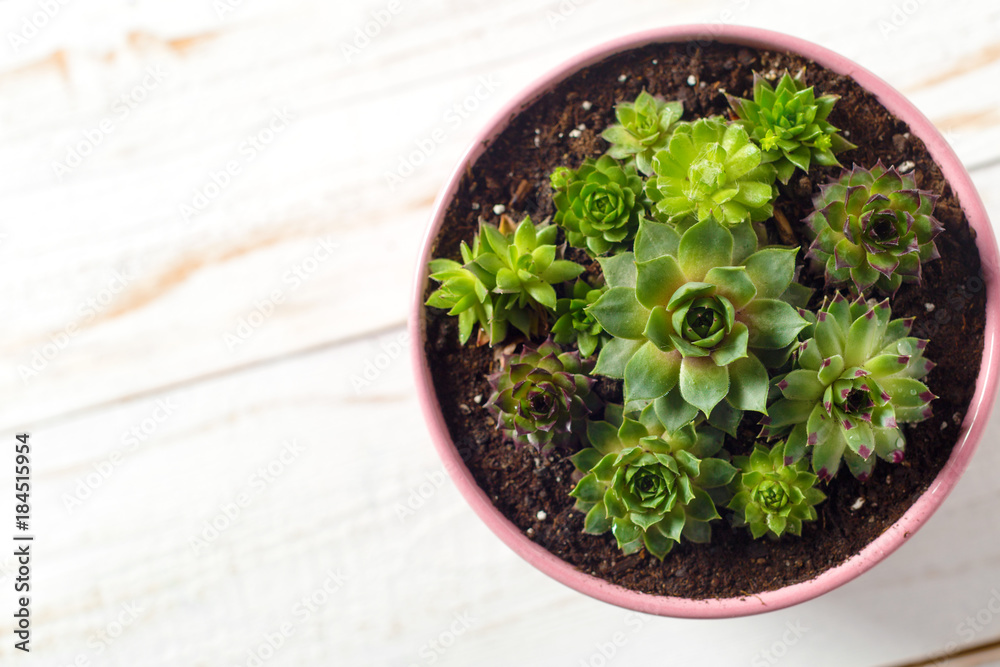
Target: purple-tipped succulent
x=852 y=384
x=542 y=397
x=874 y=228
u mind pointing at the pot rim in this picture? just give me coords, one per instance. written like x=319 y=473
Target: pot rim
x=882 y=546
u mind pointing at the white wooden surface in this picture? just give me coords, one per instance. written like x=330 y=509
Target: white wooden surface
x=120 y=314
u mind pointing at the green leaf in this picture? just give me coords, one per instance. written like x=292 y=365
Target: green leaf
x=615 y=355
x=585 y=459
x=673 y=411
x=655 y=239
x=651 y=373
x=773 y=324
x=703 y=384
x=597 y=521
x=772 y=271
x=620 y=313
x=619 y=270
x=734 y=283
x=589 y=489
x=543 y=293
x=657 y=281
x=748 y=384
x=715 y=472
x=704 y=246
x=560 y=271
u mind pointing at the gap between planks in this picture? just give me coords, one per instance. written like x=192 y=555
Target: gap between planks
x=217 y=374
x=973 y=656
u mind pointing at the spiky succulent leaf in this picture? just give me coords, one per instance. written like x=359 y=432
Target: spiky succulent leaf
x=644 y=127
x=853 y=383
x=647 y=485
x=772 y=497
x=542 y=396
x=599 y=204
x=505 y=279
x=712 y=169
x=695 y=323
x=575 y=324
x=873 y=228
x=790 y=124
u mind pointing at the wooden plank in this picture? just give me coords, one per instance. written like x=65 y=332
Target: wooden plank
x=366 y=499
x=221 y=80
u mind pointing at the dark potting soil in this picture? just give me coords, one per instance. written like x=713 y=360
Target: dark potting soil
x=563 y=128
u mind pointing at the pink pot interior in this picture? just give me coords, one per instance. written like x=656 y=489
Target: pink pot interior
x=899 y=532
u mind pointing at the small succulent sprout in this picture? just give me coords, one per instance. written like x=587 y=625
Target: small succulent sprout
x=691 y=330
x=647 y=486
x=599 y=204
x=771 y=497
x=542 y=397
x=575 y=324
x=853 y=383
x=463 y=294
x=506 y=279
x=873 y=228
x=643 y=128
x=712 y=169
x=790 y=124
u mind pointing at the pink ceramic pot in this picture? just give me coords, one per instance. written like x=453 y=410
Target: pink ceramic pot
x=885 y=544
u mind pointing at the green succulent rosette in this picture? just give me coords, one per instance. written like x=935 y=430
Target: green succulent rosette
x=790 y=124
x=599 y=204
x=873 y=228
x=692 y=330
x=644 y=127
x=575 y=325
x=505 y=279
x=712 y=169
x=648 y=486
x=542 y=397
x=853 y=383
x=770 y=497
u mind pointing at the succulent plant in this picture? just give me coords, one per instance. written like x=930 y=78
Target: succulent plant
x=542 y=396
x=874 y=228
x=853 y=383
x=505 y=279
x=691 y=329
x=712 y=169
x=644 y=127
x=574 y=323
x=648 y=486
x=772 y=497
x=790 y=124
x=599 y=204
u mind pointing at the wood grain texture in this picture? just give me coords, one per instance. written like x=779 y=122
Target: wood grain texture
x=247 y=321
